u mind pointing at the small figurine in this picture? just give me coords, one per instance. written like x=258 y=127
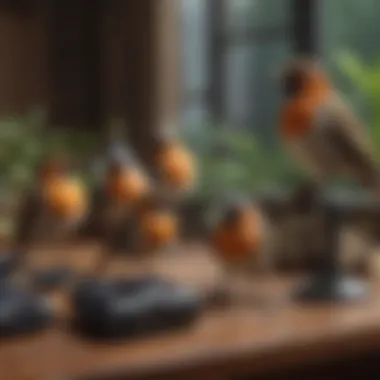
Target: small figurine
x=174 y=167
x=321 y=130
x=122 y=185
x=324 y=135
x=54 y=208
x=52 y=212
x=157 y=226
x=149 y=229
x=240 y=241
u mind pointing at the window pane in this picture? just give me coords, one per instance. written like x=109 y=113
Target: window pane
x=194 y=44
x=244 y=14
x=237 y=95
x=266 y=61
x=251 y=95
x=239 y=13
x=194 y=114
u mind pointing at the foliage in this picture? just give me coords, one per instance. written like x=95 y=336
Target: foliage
x=230 y=160
x=237 y=161
x=365 y=89
x=24 y=140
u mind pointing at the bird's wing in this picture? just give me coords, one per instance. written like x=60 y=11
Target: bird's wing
x=304 y=155
x=350 y=142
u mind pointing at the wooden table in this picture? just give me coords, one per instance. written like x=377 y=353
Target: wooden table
x=223 y=344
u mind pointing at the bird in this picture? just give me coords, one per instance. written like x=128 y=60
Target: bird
x=122 y=183
x=175 y=166
x=158 y=226
x=240 y=241
x=53 y=209
x=321 y=131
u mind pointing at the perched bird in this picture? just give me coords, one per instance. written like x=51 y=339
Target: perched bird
x=321 y=131
x=122 y=185
x=157 y=226
x=150 y=229
x=54 y=208
x=241 y=241
x=174 y=166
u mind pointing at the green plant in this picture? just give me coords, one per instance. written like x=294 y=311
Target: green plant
x=24 y=140
x=233 y=160
x=365 y=90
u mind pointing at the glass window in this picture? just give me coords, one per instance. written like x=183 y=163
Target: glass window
x=237 y=94
x=248 y=14
x=194 y=45
x=254 y=45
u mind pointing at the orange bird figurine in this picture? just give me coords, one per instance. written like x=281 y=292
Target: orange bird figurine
x=54 y=208
x=321 y=131
x=158 y=226
x=153 y=229
x=175 y=166
x=240 y=241
x=123 y=186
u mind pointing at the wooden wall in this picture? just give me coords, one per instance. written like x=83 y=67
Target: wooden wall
x=23 y=56
x=90 y=61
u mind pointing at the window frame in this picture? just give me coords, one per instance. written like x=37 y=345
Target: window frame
x=303 y=27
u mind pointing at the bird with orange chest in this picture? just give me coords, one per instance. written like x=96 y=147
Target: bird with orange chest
x=123 y=185
x=321 y=131
x=54 y=208
x=328 y=140
x=240 y=242
x=151 y=229
x=157 y=226
x=175 y=165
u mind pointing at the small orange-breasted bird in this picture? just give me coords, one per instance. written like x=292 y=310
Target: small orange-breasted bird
x=54 y=208
x=124 y=184
x=151 y=230
x=240 y=239
x=175 y=165
x=157 y=225
x=321 y=131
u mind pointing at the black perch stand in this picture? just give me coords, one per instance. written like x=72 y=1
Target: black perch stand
x=329 y=283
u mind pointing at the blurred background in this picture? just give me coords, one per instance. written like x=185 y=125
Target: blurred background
x=70 y=69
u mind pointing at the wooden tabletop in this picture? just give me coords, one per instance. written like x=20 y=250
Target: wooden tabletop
x=242 y=339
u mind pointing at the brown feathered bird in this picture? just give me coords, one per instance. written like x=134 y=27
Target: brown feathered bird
x=122 y=186
x=321 y=131
x=157 y=226
x=54 y=208
x=241 y=241
x=175 y=167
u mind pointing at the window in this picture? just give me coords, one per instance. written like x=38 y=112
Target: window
x=231 y=51
x=194 y=58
